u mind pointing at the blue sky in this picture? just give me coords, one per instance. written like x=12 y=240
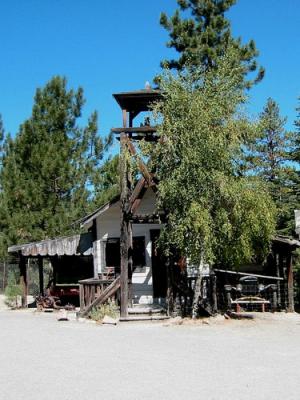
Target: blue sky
x=109 y=46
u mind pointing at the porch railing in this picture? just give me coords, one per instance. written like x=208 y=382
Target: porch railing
x=93 y=292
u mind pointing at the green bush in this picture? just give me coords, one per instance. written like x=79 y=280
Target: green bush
x=110 y=309
x=12 y=294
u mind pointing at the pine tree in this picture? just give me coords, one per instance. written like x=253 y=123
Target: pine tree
x=49 y=167
x=107 y=182
x=296 y=151
x=270 y=158
x=3 y=242
x=205 y=35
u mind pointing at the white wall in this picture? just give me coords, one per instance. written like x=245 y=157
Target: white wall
x=108 y=226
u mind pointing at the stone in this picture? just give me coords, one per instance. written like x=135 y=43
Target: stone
x=109 y=320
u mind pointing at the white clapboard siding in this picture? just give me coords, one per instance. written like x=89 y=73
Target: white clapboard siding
x=108 y=226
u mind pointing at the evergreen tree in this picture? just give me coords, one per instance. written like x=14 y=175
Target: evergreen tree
x=270 y=158
x=3 y=242
x=296 y=152
x=107 y=182
x=205 y=35
x=49 y=167
x=1 y=132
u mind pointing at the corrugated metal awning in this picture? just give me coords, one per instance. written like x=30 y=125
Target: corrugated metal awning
x=65 y=246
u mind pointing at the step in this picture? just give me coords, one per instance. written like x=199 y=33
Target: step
x=137 y=318
x=138 y=310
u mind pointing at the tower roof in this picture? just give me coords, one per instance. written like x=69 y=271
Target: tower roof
x=137 y=101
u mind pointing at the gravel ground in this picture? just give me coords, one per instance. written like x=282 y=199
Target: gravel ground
x=42 y=358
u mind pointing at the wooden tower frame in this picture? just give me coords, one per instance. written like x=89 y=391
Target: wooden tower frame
x=131 y=104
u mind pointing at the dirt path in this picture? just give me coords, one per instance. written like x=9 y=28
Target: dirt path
x=42 y=358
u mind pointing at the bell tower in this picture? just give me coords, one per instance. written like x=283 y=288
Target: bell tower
x=132 y=104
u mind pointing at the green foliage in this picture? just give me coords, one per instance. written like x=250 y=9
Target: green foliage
x=106 y=182
x=211 y=210
x=205 y=35
x=49 y=167
x=13 y=291
x=269 y=157
x=110 y=309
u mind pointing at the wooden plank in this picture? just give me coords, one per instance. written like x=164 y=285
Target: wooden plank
x=125 y=182
x=290 y=284
x=142 y=136
x=213 y=283
x=141 y=165
x=41 y=275
x=81 y=297
x=138 y=129
x=23 y=280
x=105 y=295
x=250 y=302
x=245 y=274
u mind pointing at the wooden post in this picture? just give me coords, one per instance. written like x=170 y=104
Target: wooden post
x=170 y=290
x=41 y=275
x=23 y=280
x=125 y=184
x=81 y=297
x=228 y=289
x=274 y=297
x=130 y=262
x=290 y=283
x=213 y=286
x=276 y=258
x=95 y=248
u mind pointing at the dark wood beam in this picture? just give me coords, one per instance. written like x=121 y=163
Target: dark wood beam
x=290 y=283
x=23 y=279
x=141 y=165
x=138 y=129
x=125 y=184
x=41 y=275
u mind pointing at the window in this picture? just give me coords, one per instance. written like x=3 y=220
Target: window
x=112 y=252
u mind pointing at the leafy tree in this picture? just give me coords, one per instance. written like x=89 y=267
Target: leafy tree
x=212 y=211
x=269 y=158
x=49 y=167
x=205 y=35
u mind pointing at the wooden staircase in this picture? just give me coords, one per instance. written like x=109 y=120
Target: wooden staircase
x=145 y=313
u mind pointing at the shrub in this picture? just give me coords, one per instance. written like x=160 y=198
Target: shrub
x=13 y=291
x=110 y=309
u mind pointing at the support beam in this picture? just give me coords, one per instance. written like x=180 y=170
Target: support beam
x=23 y=280
x=41 y=275
x=141 y=165
x=290 y=283
x=213 y=285
x=125 y=237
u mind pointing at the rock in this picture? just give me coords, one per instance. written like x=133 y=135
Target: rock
x=109 y=320
x=176 y=321
x=63 y=316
